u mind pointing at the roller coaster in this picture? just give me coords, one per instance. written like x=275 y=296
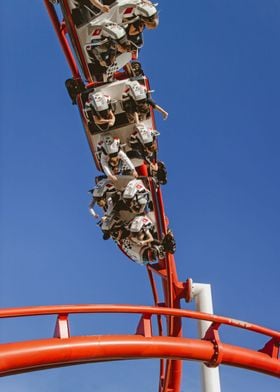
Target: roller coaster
x=82 y=29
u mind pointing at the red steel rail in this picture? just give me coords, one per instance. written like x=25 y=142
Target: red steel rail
x=61 y=32
x=62 y=349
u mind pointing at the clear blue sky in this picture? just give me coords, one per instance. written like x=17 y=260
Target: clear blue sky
x=215 y=67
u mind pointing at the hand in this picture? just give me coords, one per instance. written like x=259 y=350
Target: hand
x=113 y=178
x=135 y=174
x=96 y=216
x=105 y=8
x=154 y=166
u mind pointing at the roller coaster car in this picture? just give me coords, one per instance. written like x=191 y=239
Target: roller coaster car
x=123 y=127
x=129 y=203
x=128 y=210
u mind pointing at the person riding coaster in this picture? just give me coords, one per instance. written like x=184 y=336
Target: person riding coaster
x=85 y=10
x=136 y=197
x=136 y=102
x=112 y=31
x=144 y=145
x=108 y=41
x=103 y=51
x=148 y=13
x=99 y=112
x=142 y=245
x=136 y=15
x=113 y=159
x=96 y=3
x=105 y=196
x=113 y=227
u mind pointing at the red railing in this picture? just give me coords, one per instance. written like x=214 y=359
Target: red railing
x=64 y=349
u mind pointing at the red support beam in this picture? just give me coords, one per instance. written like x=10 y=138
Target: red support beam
x=271 y=348
x=61 y=34
x=75 y=40
x=145 y=327
x=62 y=330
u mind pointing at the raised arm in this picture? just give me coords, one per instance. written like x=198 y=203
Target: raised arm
x=128 y=162
x=149 y=239
x=91 y=209
x=100 y=6
x=162 y=111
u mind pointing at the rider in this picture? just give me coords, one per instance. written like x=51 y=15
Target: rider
x=102 y=53
x=105 y=196
x=136 y=197
x=109 y=199
x=98 y=110
x=141 y=229
x=143 y=143
x=85 y=11
x=137 y=101
x=102 y=6
x=113 y=159
x=108 y=40
x=144 y=14
x=142 y=233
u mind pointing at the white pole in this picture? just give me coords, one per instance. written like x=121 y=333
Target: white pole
x=203 y=300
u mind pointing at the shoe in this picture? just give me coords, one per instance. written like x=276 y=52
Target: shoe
x=169 y=243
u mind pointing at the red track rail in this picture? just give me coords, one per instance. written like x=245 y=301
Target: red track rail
x=62 y=349
x=61 y=32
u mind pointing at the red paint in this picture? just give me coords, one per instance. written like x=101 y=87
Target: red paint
x=47 y=353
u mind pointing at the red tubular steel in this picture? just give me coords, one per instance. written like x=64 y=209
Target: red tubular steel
x=60 y=31
x=173 y=370
x=65 y=350
x=49 y=353
x=75 y=41
x=130 y=309
x=167 y=270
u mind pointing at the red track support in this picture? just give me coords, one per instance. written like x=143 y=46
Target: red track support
x=60 y=30
x=62 y=329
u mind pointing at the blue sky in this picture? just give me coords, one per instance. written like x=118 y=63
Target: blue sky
x=215 y=67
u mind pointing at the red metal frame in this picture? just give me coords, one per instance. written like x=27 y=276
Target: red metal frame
x=66 y=350
x=61 y=32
